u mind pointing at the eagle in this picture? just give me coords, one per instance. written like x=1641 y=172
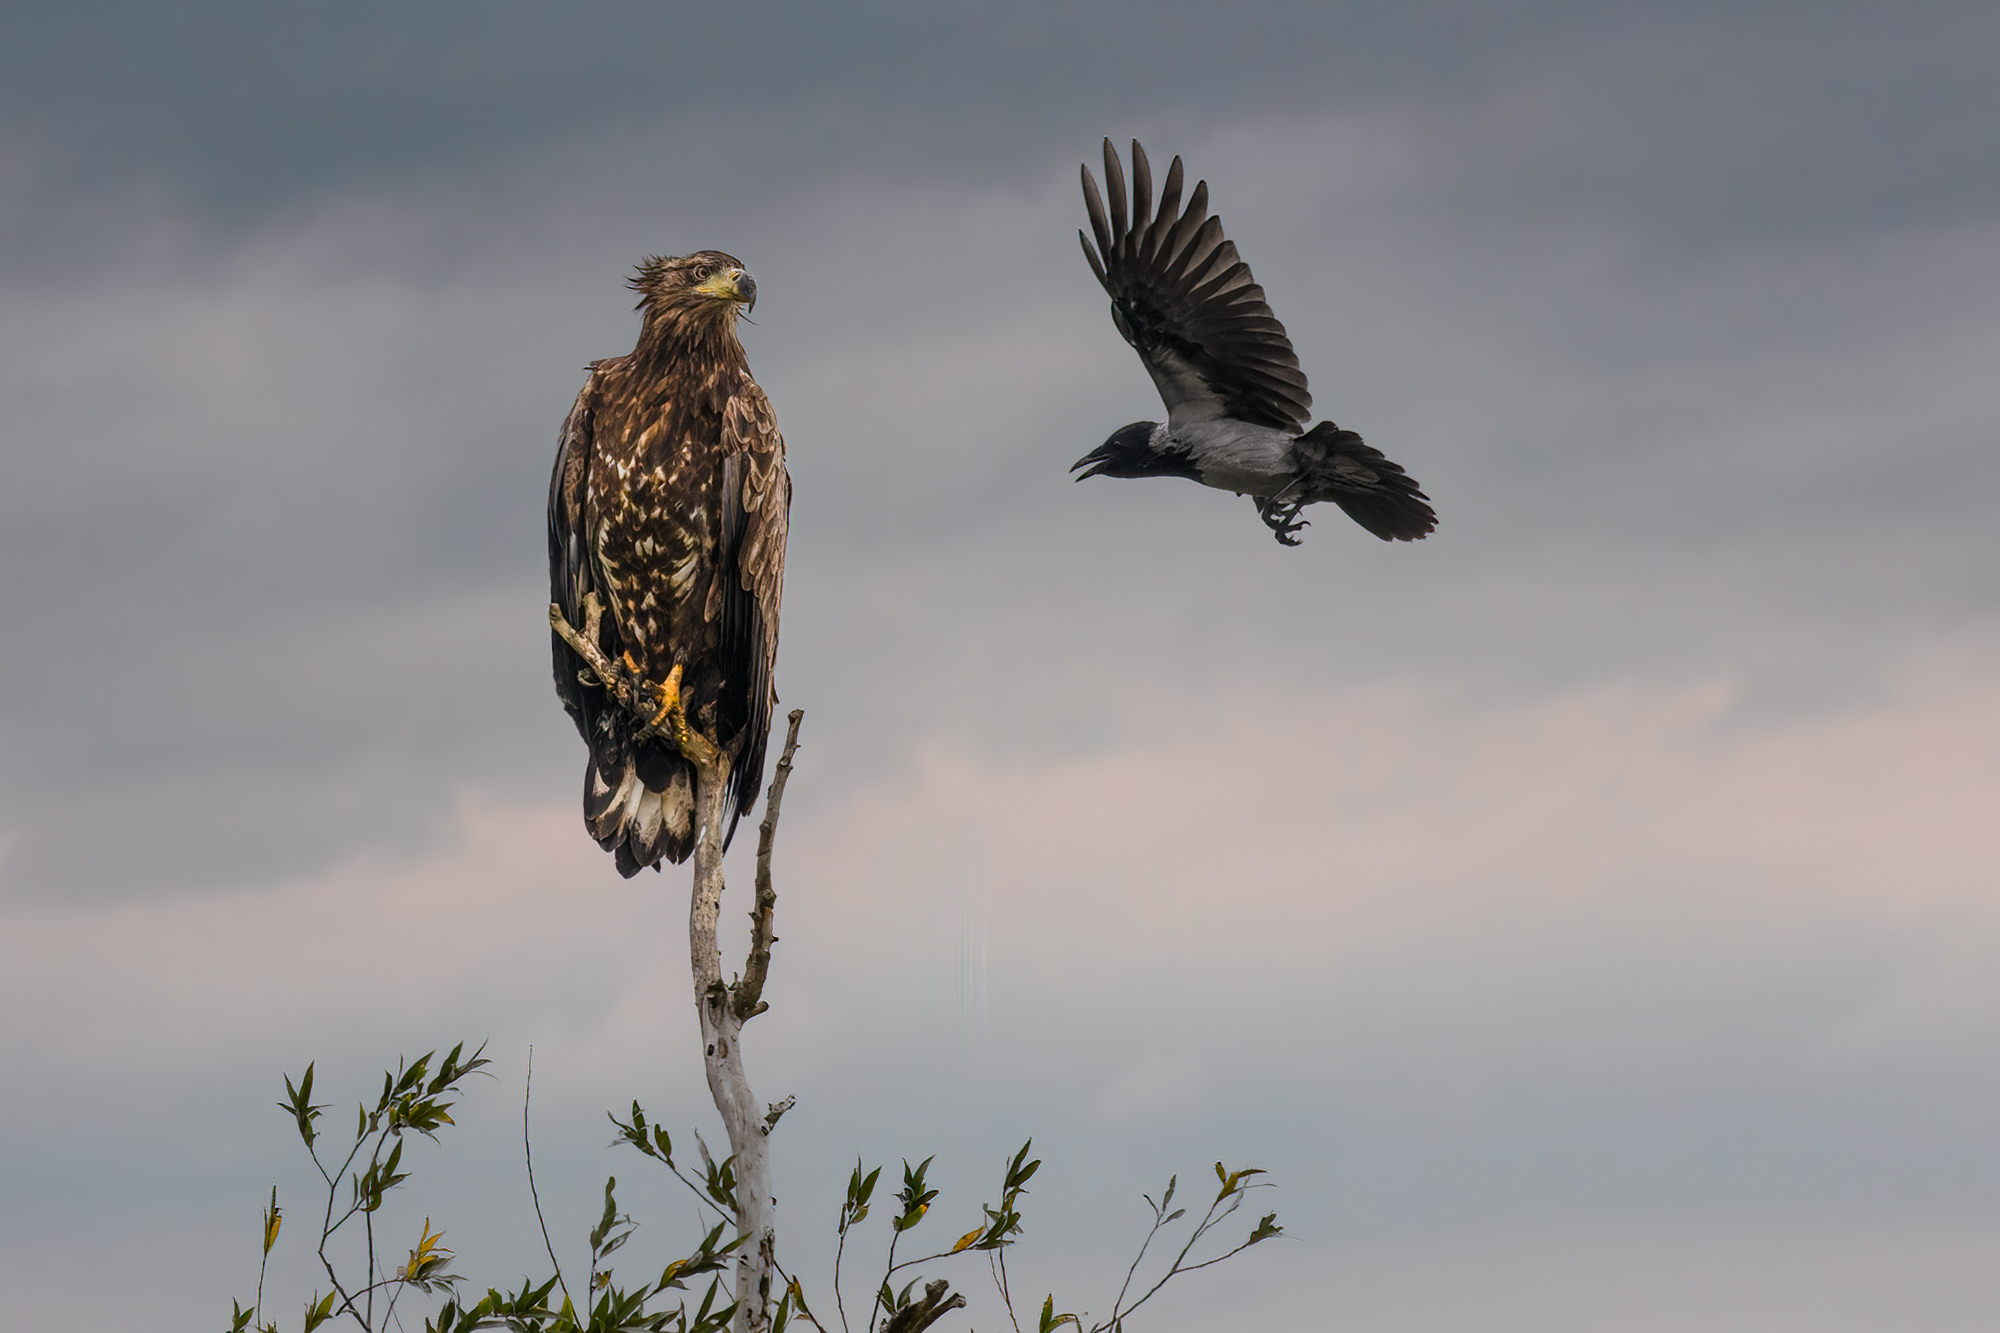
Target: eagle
x=668 y=511
x=1237 y=405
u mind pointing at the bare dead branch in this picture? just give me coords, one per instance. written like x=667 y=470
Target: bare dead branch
x=722 y=1010
x=749 y=992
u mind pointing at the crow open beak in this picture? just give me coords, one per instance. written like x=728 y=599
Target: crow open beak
x=1096 y=460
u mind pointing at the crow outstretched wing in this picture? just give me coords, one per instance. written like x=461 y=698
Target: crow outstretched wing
x=1187 y=303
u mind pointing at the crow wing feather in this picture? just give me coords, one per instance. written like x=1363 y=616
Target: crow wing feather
x=1187 y=303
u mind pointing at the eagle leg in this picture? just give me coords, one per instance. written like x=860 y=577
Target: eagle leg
x=667 y=693
x=1282 y=519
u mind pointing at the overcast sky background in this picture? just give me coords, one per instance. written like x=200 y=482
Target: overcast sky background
x=1590 y=916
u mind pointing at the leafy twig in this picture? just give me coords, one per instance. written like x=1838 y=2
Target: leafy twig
x=1233 y=1191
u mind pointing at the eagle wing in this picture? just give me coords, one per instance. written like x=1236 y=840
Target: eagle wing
x=570 y=572
x=749 y=583
x=1187 y=303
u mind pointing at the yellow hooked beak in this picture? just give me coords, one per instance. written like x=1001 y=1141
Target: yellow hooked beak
x=731 y=284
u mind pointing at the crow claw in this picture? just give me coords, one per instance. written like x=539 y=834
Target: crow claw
x=1283 y=519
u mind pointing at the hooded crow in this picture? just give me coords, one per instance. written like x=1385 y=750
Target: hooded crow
x=1237 y=405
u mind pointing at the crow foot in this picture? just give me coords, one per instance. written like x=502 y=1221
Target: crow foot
x=1282 y=519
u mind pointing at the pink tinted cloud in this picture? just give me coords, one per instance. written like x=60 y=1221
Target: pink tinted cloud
x=1275 y=830
x=512 y=917
x=1312 y=811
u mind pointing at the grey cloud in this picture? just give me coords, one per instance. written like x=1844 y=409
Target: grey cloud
x=1683 y=314
x=318 y=451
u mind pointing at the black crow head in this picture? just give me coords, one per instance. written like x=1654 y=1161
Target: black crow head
x=1142 y=449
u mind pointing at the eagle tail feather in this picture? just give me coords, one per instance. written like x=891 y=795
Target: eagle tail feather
x=641 y=818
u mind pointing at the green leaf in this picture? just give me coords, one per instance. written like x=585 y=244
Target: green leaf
x=860 y=1189
x=298 y=1101
x=448 y=1072
x=1018 y=1174
x=320 y=1313
x=634 y=1132
x=914 y=1197
x=605 y=1223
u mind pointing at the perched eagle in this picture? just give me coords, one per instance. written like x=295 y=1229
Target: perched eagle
x=1237 y=406
x=667 y=518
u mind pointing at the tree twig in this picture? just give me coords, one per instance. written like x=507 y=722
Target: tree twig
x=528 y=1157
x=749 y=999
x=1210 y=1220
x=999 y=1265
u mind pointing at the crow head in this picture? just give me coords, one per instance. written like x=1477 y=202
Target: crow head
x=1142 y=449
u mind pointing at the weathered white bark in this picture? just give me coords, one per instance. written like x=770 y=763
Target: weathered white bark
x=723 y=1009
x=722 y=1053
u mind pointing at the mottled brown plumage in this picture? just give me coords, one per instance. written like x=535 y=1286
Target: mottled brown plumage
x=670 y=502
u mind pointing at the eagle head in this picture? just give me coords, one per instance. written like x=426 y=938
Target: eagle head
x=706 y=281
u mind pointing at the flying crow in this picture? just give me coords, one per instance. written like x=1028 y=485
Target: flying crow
x=1237 y=405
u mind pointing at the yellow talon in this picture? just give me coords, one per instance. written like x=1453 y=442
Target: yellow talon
x=670 y=716
x=669 y=692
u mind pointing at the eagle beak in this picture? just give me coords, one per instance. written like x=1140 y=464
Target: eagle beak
x=1097 y=459
x=732 y=285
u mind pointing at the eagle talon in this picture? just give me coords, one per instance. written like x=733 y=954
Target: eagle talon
x=670 y=719
x=668 y=694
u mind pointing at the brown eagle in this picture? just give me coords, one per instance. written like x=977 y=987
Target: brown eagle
x=667 y=518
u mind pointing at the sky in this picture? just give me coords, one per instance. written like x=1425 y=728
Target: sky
x=1589 y=916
